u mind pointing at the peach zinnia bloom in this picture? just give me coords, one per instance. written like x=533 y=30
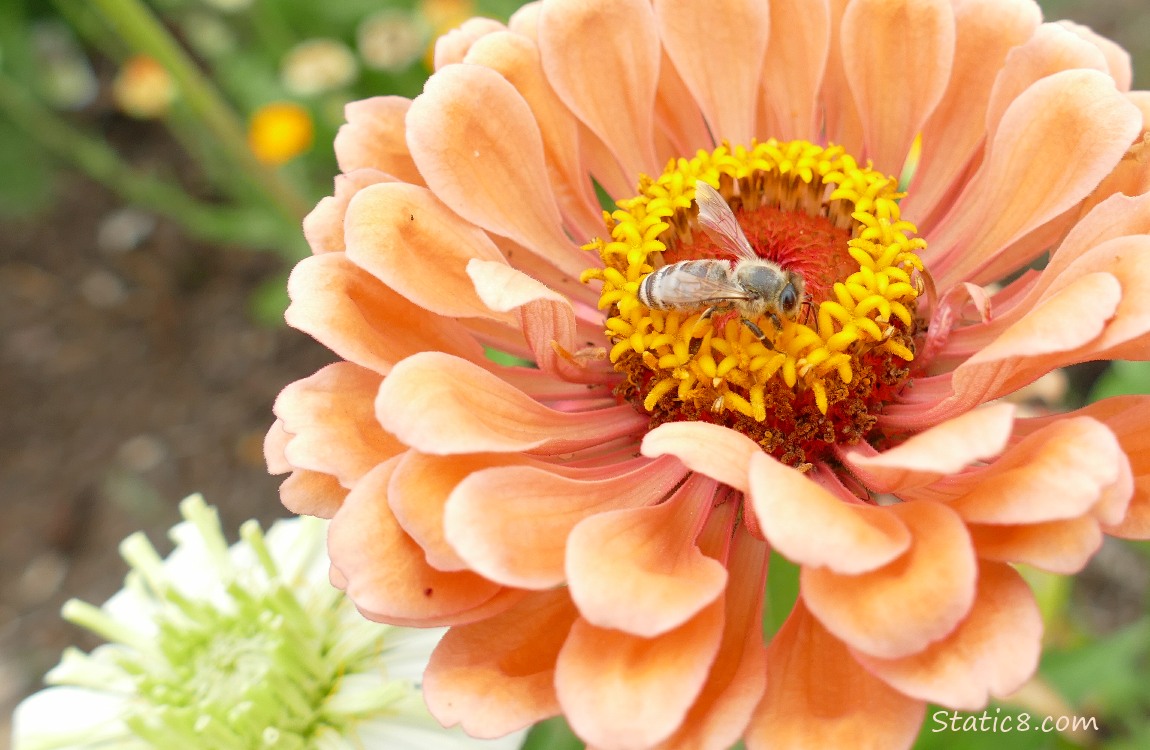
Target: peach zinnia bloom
x=595 y=528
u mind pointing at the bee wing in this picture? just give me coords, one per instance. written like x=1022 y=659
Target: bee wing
x=702 y=289
x=720 y=224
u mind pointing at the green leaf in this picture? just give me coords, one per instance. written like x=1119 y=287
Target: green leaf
x=26 y=176
x=552 y=734
x=1108 y=675
x=1122 y=378
x=997 y=727
x=782 y=593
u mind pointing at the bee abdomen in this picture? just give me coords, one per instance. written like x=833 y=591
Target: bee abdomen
x=658 y=289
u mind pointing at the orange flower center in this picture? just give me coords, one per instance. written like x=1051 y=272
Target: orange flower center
x=799 y=343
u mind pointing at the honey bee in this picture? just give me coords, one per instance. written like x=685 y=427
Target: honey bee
x=751 y=285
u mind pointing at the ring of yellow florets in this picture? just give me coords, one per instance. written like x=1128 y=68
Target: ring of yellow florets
x=724 y=367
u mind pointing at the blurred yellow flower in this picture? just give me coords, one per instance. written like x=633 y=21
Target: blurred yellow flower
x=143 y=88
x=279 y=132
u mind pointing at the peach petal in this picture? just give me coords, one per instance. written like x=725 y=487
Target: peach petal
x=718 y=452
x=387 y=575
x=721 y=68
x=499 y=181
x=809 y=525
x=626 y=53
x=677 y=115
x=516 y=58
x=638 y=570
x=841 y=120
x=1072 y=112
x=375 y=137
x=1118 y=62
x=1040 y=341
x=985 y=31
x=453 y=46
x=922 y=31
x=993 y=651
x=444 y=405
x=512 y=523
x=1058 y=472
x=310 y=493
x=525 y=21
x=738 y=676
x=900 y=609
x=323 y=227
x=793 y=68
x=1063 y=546
x=546 y=317
x=350 y=312
x=818 y=696
x=1127 y=335
x=944 y=449
x=624 y=692
x=331 y=419
x=396 y=232
x=274 y=444
x=497 y=675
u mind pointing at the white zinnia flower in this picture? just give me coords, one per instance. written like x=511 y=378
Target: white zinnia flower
x=236 y=649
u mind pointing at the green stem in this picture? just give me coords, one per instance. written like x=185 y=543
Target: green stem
x=140 y=28
x=100 y=162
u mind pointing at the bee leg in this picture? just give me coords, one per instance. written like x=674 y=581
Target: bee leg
x=758 y=333
x=775 y=319
x=696 y=344
x=708 y=312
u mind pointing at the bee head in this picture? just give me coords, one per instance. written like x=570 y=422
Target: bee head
x=791 y=297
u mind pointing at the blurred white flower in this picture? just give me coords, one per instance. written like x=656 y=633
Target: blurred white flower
x=318 y=65
x=392 y=39
x=236 y=649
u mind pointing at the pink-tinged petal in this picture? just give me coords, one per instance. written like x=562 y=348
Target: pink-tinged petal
x=375 y=138
x=525 y=21
x=993 y=651
x=985 y=31
x=310 y=493
x=677 y=116
x=406 y=238
x=1040 y=341
x=444 y=405
x=323 y=227
x=818 y=696
x=497 y=675
x=453 y=46
x=624 y=692
x=516 y=58
x=903 y=607
x=717 y=452
x=1117 y=59
x=331 y=418
x=1127 y=335
x=546 y=318
x=923 y=33
x=499 y=180
x=1058 y=472
x=625 y=53
x=418 y=492
x=738 y=675
x=387 y=576
x=639 y=570
x=721 y=67
x=793 y=68
x=1075 y=112
x=350 y=312
x=809 y=525
x=944 y=449
x=275 y=442
x=1062 y=547
x=512 y=523
x=842 y=124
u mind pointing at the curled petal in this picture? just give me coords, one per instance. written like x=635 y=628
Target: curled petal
x=1063 y=546
x=375 y=138
x=626 y=53
x=444 y=405
x=717 y=452
x=352 y=313
x=386 y=574
x=818 y=696
x=498 y=675
x=512 y=523
x=922 y=31
x=614 y=705
x=720 y=68
x=900 y=609
x=499 y=181
x=991 y=653
x=811 y=526
x=453 y=46
x=310 y=493
x=940 y=451
x=391 y=225
x=638 y=570
x=275 y=442
x=1117 y=59
x=323 y=227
